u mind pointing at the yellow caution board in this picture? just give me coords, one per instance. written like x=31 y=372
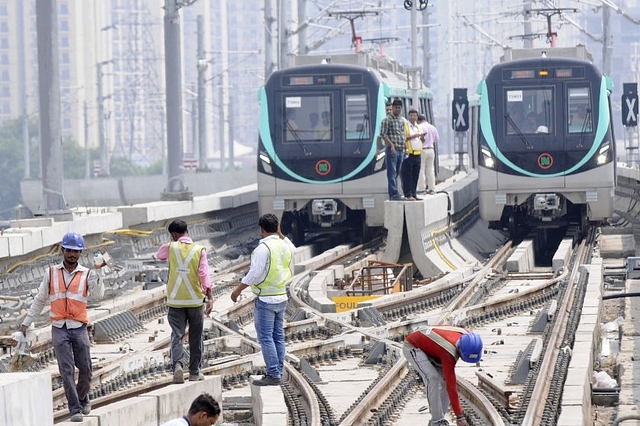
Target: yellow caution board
x=347 y=303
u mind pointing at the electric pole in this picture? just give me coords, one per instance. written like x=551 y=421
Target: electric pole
x=175 y=189
x=202 y=96
x=49 y=90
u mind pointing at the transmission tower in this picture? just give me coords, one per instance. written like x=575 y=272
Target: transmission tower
x=138 y=116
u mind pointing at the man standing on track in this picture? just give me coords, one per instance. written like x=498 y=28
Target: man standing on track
x=270 y=269
x=67 y=287
x=187 y=286
x=433 y=353
x=411 y=163
x=392 y=131
x=427 y=177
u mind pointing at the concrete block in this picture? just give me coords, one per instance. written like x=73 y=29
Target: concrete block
x=617 y=246
x=140 y=411
x=26 y=399
x=269 y=407
x=174 y=401
x=574 y=415
x=4 y=246
x=16 y=244
x=393 y=221
x=32 y=223
x=562 y=255
x=86 y=421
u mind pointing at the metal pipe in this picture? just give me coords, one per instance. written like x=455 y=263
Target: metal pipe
x=620 y=296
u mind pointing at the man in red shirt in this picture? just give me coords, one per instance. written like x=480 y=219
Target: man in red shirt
x=433 y=353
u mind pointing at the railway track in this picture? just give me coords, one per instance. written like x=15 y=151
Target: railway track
x=482 y=298
x=488 y=402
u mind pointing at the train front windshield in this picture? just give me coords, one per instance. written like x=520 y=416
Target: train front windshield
x=529 y=110
x=308 y=117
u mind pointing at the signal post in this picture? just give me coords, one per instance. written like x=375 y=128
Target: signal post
x=630 y=121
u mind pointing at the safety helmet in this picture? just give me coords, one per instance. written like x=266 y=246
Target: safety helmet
x=73 y=241
x=470 y=347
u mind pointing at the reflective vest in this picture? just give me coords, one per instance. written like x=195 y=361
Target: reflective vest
x=414 y=145
x=183 y=287
x=279 y=269
x=68 y=301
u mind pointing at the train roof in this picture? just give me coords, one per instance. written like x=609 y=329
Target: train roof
x=577 y=52
x=361 y=59
x=388 y=71
x=542 y=61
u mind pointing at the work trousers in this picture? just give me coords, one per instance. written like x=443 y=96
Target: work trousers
x=410 y=172
x=437 y=395
x=178 y=319
x=268 y=319
x=427 y=178
x=71 y=346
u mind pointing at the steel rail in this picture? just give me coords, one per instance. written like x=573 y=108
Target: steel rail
x=535 y=410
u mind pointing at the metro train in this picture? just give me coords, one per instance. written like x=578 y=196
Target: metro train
x=546 y=148
x=321 y=168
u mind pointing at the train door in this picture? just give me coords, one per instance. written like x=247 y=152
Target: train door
x=357 y=130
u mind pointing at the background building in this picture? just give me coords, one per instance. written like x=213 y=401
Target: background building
x=112 y=58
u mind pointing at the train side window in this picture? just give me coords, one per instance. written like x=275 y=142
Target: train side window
x=579 y=110
x=357 y=123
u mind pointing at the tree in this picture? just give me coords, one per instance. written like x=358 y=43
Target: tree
x=12 y=163
x=122 y=166
x=73 y=158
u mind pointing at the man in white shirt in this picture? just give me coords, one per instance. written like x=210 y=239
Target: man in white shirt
x=411 y=163
x=270 y=270
x=427 y=176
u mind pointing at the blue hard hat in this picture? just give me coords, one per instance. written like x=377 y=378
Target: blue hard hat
x=73 y=241
x=470 y=347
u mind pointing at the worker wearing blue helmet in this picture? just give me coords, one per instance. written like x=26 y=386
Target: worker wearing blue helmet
x=67 y=287
x=433 y=353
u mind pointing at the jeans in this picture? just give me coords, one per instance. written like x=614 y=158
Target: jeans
x=178 y=319
x=394 y=165
x=437 y=395
x=269 y=322
x=71 y=346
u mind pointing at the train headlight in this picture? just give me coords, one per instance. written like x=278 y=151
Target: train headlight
x=489 y=162
x=266 y=163
x=379 y=161
x=603 y=155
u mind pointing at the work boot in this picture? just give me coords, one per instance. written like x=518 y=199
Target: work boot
x=196 y=377
x=178 y=374
x=77 y=417
x=267 y=381
x=86 y=405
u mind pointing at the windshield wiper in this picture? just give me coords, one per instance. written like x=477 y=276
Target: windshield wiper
x=585 y=122
x=518 y=131
x=364 y=124
x=296 y=136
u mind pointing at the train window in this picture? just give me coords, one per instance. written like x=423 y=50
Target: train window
x=579 y=110
x=356 y=109
x=307 y=118
x=529 y=111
